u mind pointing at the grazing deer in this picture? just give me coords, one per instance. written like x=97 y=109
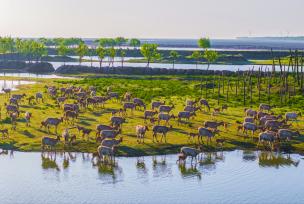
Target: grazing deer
x=7 y=91
x=205 y=132
x=205 y=103
x=49 y=142
x=160 y=129
x=140 y=132
x=28 y=117
x=139 y=103
x=51 y=122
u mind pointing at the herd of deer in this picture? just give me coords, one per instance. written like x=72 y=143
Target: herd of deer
x=273 y=127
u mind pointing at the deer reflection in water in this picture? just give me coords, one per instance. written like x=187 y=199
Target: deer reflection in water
x=272 y=159
x=49 y=160
x=67 y=157
x=141 y=166
x=207 y=161
x=160 y=166
x=189 y=171
x=7 y=152
x=249 y=155
x=85 y=157
x=108 y=170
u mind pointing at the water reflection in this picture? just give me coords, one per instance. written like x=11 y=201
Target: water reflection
x=67 y=157
x=207 y=161
x=249 y=155
x=141 y=166
x=109 y=172
x=189 y=171
x=49 y=160
x=161 y=179
x=12 y=84
x=272 y=159
x=32 y=75
x=6 y=152
x=160 y=166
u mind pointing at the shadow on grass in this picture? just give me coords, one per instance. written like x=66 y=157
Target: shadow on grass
x=82 y=118
x=247 y=143
x=28 y=134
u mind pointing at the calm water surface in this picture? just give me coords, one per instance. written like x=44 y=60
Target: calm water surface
x=224 y=177
x=12 y=84
x=31 y=75
x=169 y=66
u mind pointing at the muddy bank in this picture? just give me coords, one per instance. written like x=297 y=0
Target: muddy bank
x=21 y=66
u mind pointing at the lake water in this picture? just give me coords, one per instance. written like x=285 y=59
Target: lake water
x=32 y=75
x=223 y=177
x=12 y=84
x=169 y=66
x=117 y=63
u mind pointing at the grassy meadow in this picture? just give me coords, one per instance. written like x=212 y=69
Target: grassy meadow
x=172 y=89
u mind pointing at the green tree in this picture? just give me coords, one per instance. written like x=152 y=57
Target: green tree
x=122 y=56
x=134 y=43
x=204 y=43
x=119 y=41
x=149 y=52
x=101 y=53
x=173 y=56
x=58 y=42
x=38 y=50
x=211 y=56
x=107 y=42
x=197 y=56
x=81 y=50
x=19 y=46
x=43 y=40
x=62 y=51
x=7 y=45
x=112 y=54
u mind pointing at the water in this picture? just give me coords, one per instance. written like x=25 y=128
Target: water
x=31 y=75
x=12 y=84
x=224 y=177
x=169 y=66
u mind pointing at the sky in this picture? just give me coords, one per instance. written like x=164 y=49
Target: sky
x=151 y=18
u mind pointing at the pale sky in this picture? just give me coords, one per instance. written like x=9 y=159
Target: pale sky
x=151 y=18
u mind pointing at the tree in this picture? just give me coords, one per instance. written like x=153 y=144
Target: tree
x=7 y=45
x=112 y=54
x=174 y=55
x=101 y=53
x=122 y=55
x=43 y=40
x=149 y=52
x=211 y=56
x=71 y=41
x=204 y=43
x=134 y=43
x=197 y=56
x=81 y=50
x=38 y=50
x=19 y=45
x=120 y=41
x=107 y=42
x=62 y=51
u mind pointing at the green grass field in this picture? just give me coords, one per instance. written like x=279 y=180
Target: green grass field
x=172 y=89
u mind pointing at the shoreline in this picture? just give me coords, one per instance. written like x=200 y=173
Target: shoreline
x=160 y=153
